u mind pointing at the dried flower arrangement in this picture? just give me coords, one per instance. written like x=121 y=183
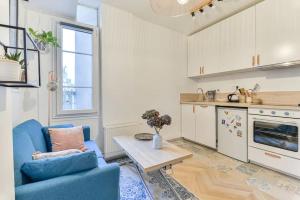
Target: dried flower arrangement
x=154 y=120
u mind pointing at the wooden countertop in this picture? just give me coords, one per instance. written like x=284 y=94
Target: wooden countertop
x=241 y=105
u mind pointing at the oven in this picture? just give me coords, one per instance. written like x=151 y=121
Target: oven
x=275 y=131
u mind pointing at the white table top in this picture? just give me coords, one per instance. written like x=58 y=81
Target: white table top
x=150 y=159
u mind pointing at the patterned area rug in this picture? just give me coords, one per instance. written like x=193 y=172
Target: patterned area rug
x=132 y=188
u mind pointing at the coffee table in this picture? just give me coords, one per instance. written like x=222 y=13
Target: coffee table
x=147 y=159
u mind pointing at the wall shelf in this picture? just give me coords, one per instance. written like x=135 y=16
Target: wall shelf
x=19 y=41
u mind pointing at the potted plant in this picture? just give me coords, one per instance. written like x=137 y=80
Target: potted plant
x=11 y=67
x=154 y=120
x=43 y=39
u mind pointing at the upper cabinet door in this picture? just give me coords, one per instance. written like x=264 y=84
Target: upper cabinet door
x=195 y=54
x=278 y=31
x=210 y=47
x=237 y=41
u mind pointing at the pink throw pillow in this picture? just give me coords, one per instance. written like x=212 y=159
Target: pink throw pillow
x=67 y=138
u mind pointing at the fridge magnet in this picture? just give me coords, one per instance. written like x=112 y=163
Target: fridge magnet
x=230 y=130
x=223 y=121
x=239 y=133
x=238 y=118
x=238 y=124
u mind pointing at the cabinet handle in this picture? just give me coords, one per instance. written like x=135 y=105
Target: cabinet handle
x=272 y=155
x=202 y=70
x=253 y=61
x=202 y=106
x=194 y=109
x=258 y=59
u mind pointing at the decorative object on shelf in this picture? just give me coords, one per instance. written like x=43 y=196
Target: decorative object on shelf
x=44 y=39
x=16 y=56
x=181 y=7
x=21 y=52
x=9 y=70
x=143 y=136
x=154 y=120
x=52 y=87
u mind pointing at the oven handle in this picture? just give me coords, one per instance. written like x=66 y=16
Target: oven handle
x=274 y=121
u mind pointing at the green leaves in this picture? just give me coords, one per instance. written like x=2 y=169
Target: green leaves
x=44 y=37
x=15 y=57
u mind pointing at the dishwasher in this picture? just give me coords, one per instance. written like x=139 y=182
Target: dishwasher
x=232 y=130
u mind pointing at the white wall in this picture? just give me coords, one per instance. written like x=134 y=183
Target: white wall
x=143 y=67
x=6 y=152
x=272 y=80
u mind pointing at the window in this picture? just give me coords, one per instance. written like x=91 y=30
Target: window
x=76 y=70
x=87 y=15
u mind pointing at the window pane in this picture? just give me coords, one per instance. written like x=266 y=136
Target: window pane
x=68 y=40
x=77 y=70
x=87 y=15
x=77 y=41
x=83 y=42
x=77 y=99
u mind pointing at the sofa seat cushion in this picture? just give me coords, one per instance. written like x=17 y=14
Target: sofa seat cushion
x=39 y=170
x=92 y=146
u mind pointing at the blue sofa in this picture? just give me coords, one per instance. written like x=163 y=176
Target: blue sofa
x=100 y=183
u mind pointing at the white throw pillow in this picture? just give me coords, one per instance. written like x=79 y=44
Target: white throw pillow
x=40 y=156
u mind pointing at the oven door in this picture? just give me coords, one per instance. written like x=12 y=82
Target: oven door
x=275 y=134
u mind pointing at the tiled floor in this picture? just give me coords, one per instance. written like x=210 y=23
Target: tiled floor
x=213 y=176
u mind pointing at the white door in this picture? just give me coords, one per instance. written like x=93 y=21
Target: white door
x=232 y=133
x=237 y=41
x=195 y=54
x=278 y=31
x=188 y=119
x=206 y=125
x=210 y=47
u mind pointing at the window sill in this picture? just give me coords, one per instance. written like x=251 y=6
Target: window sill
x=79 y=115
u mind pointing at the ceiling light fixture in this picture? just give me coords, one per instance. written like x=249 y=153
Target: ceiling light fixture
x=182 y=2
x=210 y=4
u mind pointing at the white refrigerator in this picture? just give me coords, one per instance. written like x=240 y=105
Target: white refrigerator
x=232 y=132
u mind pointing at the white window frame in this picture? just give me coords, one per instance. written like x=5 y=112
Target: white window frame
x=59 y=112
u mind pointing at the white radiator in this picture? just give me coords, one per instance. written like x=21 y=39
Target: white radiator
x=111 y=149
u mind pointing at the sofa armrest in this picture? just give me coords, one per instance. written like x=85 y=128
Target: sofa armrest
x=96 y=184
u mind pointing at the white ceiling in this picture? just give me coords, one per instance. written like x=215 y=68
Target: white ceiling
x=141 y=8
x=184 y=24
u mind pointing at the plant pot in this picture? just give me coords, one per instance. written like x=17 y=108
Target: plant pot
x=9 y=70
x=43 y=47
x=157 y=141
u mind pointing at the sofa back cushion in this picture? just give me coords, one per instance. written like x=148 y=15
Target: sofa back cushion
x=45 y=131
x=27 y=138
x=39 y=170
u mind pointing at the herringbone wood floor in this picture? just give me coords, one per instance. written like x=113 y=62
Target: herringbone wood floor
x=210 y=184
x=212 y=176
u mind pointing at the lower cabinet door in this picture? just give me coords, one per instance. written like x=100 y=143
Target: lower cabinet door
x=188 y=119
x=206 y=126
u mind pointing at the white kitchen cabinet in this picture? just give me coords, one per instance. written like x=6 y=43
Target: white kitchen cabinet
x=196 y=54
x=188 y=122
x=277 y=31
x=237 y=41
x=203 y=52
x=206 y=126
x=210 y=47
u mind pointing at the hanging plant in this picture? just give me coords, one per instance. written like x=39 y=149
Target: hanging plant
x=44 y=39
